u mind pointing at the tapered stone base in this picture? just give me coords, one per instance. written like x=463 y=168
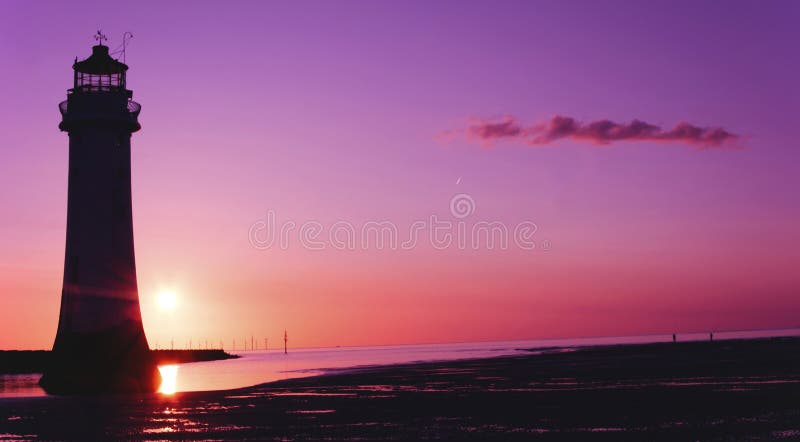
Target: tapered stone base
x=104 y=362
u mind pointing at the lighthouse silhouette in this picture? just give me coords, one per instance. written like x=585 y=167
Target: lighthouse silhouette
x=100 y=345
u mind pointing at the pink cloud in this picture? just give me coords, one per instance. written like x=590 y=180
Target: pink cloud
x=487 y=131
x=599 y=132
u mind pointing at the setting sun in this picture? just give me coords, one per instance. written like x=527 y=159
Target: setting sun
x=167 y=300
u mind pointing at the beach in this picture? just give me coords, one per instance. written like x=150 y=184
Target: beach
x=736 y=389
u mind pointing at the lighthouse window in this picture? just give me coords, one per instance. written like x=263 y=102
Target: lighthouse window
x=98 y=82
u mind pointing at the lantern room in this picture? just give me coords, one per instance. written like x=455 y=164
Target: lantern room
x=99 y=94
x=99 y=72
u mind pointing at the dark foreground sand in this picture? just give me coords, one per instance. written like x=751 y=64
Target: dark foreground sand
x=686 y=391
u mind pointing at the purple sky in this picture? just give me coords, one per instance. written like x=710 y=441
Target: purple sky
x=331 y=111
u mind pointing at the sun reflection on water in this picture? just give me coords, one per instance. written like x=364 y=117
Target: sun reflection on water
x=169 y=379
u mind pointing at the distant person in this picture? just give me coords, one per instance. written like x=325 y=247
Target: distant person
x=711 y=336
x=674 y=339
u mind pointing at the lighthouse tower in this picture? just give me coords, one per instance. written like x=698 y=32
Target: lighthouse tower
x=100 y=345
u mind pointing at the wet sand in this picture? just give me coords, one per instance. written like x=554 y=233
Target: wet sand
x=687 y=391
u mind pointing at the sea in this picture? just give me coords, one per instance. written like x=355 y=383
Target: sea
x=258 y=367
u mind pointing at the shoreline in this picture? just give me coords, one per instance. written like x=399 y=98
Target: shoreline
x=689 y=390
x=33 y=361
x=555 y=352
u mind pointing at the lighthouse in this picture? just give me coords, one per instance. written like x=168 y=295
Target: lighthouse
x=100 y=344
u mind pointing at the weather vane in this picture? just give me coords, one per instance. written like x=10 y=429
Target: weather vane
x=100 y=37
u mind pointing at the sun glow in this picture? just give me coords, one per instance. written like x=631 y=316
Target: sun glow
x=169 y=379
x=167 y=300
